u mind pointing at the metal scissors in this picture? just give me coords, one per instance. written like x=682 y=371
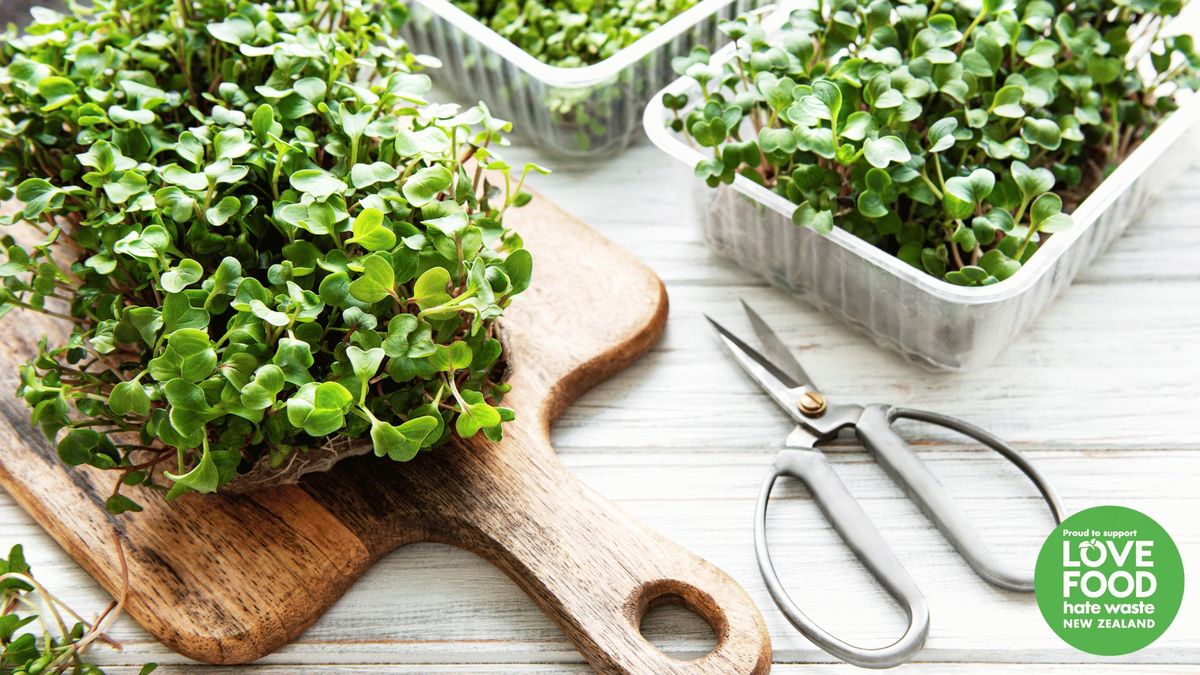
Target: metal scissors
x=817 y=420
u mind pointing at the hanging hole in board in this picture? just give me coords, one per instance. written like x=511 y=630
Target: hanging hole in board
x=674 y=621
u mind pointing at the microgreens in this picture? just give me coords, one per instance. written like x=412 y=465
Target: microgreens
x=951 y=133
x=62 y=637
x=264 y=236
x=573 y=33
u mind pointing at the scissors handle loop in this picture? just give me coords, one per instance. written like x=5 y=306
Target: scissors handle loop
x=1049 y=495
x=860 y=534
x=875 y=431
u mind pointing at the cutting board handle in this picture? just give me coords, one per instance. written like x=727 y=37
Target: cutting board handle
x=596 y=571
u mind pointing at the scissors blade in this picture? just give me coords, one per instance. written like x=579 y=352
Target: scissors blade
x=779 y=353
x=777 y=383
x=801 y=439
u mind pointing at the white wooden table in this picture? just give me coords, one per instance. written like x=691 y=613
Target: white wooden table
x=1103 y=392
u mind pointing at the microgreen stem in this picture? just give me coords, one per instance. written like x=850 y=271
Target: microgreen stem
x=933 y=188
x=1114 y=143
x=454 y=303
x=983 y=14
x=1020 y=210
x=1025 y=241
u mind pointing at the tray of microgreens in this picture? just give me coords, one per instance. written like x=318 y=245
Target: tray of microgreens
x=573 y=76
x=933 y=172
x=267 y=248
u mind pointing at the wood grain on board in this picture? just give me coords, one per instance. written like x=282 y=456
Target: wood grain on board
x=230 y=579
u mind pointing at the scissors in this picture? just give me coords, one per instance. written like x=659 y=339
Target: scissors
x=817 y=420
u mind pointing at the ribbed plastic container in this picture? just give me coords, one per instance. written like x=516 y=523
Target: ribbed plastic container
x=588 y=111
x=928 y=320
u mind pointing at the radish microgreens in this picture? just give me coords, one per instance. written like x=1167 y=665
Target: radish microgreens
x=264 y=236
x=952 y=133
x=573 y=33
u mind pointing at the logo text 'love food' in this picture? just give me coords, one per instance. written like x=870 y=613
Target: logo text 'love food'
x=1109 y=580
x=1082 y=572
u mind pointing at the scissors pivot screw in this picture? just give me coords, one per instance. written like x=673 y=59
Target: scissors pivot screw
x=812 y=404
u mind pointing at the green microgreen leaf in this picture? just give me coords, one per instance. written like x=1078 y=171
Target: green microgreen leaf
x=184 y=274
x=1046 y=214
x=964 y=193
x=364 y=363
x=260 y=393
x=881 y=152
x=941 y=134
x=376 y=281
x=319 y=409
x=475 y=415
x=320 y=184
x=1031 y=182
x=203 y=478
x=366 y=175
x=129 y=397
x=1007 y=102
x=425 y=184
x=371 y=233
x=402 y=443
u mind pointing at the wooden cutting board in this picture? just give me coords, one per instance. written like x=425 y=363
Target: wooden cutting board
x=230 y=579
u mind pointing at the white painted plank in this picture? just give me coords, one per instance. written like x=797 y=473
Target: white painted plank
x=1105 y=368
x=429 y=604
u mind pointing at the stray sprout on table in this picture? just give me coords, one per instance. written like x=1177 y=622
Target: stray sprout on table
x=62 y=637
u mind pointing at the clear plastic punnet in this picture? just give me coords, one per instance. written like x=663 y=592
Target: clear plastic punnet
x=587 y=111
x=928 y=320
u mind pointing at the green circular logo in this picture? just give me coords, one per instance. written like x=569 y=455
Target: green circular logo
x=1109 y=580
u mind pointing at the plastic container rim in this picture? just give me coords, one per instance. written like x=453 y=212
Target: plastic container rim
x=1041 y=263
x=581 y=76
